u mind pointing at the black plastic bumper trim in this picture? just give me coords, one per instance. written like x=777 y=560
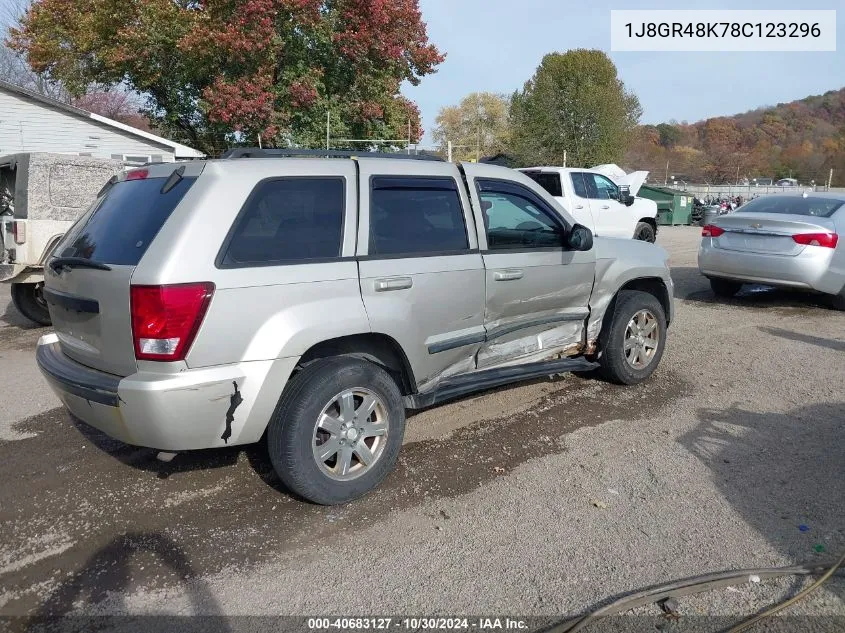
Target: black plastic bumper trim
x=75 y=378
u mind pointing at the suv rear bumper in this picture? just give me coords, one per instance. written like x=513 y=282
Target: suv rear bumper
x=168 y=411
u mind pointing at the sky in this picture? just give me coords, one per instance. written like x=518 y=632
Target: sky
x=496 y=45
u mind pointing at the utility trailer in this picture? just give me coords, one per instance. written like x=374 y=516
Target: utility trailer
x=41 y=196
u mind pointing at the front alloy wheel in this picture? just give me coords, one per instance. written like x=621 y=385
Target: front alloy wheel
x=632 y=343
x=642 y=337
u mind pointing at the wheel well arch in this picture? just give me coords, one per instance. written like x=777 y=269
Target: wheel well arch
x=652 y=285
x=377 y=348
x=651 y=221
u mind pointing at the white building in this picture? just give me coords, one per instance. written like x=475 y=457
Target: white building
x=30 y=122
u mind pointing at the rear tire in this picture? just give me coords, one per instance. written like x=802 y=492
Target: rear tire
x=616 y=362
x=724 y=287
x=314 y=400
x=838 y=301
x=29 y=300
x=645 y=232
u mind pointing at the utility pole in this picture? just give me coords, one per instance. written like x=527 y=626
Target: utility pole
x=328 y=123
x=409 y=136
x=478 y=146
x=666 y=178
x=829 y=178
x=564 y=159
x=449 y=151
x=259 y=142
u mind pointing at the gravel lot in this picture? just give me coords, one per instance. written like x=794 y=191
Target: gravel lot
x=542 y=499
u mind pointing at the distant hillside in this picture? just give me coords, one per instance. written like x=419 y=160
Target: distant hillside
x=802 y=139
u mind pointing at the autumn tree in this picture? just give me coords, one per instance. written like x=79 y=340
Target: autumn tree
x=116 y=104
x=477 y=126
x=574 y=103
x=212 y=67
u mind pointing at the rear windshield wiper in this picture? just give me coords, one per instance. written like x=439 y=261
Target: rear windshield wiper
x=76 y=262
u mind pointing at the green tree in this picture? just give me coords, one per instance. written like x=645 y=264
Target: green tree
x=669 y=135
x=477 y=126
x=269 y=67
x=574 y=103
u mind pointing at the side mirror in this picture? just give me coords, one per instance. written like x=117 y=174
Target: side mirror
x=580 y=238
x=625 y=196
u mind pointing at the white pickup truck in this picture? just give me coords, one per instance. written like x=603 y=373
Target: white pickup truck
x=607 y=207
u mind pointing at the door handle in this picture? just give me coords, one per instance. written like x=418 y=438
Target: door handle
x=579 y=206
x=507 y=275
x=605 y=206
x=393 y=283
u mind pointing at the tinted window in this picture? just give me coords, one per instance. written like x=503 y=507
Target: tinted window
x=123 y=222
x=549 y=182
x=415 y=216
x=815 y=206
x=514 y=221
x=289 y=219
x=604 y=188
x=579 y=185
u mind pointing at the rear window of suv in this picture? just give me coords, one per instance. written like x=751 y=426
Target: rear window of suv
x=123 y=222
x=416 y=216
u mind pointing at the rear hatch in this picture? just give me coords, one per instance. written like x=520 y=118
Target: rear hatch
x=768 y=233
x=87 y=278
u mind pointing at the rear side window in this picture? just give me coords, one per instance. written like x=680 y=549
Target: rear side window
x=420 y=216
x=288 y=220
x=123 y=222
x=549 y=182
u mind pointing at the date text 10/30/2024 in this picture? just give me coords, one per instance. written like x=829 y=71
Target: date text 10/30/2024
x=415 y=624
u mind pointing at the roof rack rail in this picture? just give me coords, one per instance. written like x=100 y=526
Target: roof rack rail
x=257 y=152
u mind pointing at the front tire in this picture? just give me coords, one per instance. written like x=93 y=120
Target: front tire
x=645 y=232
x=633 y=347
x=29 y=300
x=337 y=430
x=724 y=287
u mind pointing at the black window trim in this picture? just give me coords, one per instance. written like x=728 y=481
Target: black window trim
x=416 y=255
x=221 y=263
x=534 y=199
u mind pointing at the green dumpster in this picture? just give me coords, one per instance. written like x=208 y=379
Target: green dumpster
x=673 y=207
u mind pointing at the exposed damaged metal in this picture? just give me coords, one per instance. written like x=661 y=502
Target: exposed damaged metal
x=234 y=403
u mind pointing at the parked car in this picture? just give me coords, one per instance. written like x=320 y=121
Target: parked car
x=787 y=182
x=318 y=298
x=788 y=240
x=41 y=195
x=594 y=200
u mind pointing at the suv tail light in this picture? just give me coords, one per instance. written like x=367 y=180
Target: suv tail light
x=828 y=240
x=165 y=319
x=19 y=231
x=711 y=230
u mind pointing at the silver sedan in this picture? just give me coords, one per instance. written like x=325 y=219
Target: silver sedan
x=785 y=240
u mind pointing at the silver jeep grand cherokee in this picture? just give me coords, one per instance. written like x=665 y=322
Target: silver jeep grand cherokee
x=317 y=297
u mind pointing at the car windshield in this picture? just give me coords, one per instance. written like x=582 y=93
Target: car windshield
x=793 y=205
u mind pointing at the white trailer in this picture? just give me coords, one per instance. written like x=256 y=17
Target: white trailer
x=41 y=196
